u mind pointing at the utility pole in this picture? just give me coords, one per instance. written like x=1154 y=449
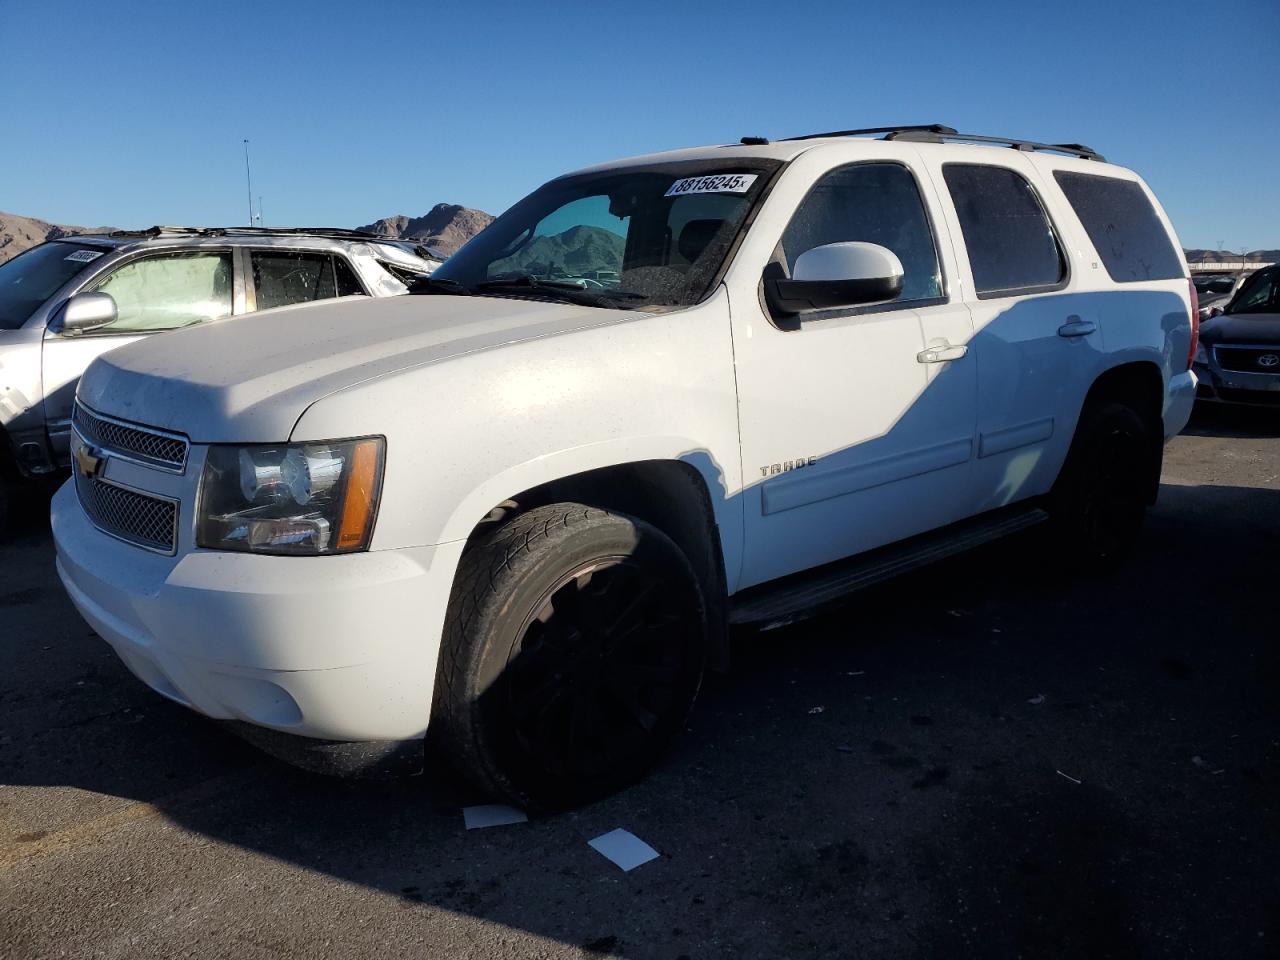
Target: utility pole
x=248 y=181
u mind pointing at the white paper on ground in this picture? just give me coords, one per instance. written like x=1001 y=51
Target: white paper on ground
x=625 y=849
x=492 y=815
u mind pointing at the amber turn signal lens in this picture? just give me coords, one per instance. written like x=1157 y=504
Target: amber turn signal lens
x=361 y=496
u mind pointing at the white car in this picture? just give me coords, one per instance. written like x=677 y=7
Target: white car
x=67 y=301
x=520 y=514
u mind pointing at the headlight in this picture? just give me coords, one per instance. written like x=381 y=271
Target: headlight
x=1202 y=355
x=310 y=498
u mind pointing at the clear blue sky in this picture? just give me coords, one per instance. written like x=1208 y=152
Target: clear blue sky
x=133 y=113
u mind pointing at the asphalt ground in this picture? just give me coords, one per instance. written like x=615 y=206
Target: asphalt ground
x=1008 y=761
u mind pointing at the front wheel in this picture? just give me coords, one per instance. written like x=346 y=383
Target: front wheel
x=1100 y=499
x=572 y=653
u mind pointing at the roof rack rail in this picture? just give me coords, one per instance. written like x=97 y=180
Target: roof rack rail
x=934 y=128
x=937 y=133
x=337 y=232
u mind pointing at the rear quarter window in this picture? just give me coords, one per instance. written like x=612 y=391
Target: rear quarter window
x=1123 y=226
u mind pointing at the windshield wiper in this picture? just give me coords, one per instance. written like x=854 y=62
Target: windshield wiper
x=531 y=282
x=564 y=289
x=439 y=285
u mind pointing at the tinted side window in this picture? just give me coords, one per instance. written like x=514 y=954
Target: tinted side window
x=1012 y=248
x=348 y=283
x=1123 y=226
x=874 y=203
x=164 y=292
x=284 y=277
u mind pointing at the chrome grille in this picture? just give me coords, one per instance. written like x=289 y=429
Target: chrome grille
x=138 y=443
x=139 y=518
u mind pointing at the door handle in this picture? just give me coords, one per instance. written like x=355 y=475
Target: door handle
x=1075 y=327
x=942 y=353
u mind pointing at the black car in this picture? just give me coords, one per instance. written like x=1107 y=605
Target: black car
x=1238 y=360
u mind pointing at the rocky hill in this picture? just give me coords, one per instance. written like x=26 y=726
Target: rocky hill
x=19 y=233
x=446 y=226
x=578 y=251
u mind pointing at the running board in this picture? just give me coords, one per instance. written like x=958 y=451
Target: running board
x=791 y=598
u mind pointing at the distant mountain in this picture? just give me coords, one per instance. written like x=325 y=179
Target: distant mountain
x=446 y=226
x=578 y=251
x=21 y=233
x=1226 y=256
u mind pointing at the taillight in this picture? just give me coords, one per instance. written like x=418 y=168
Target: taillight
x=1195 y=323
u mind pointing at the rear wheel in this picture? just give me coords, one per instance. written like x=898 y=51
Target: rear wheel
x=1100 y=499
x=573 y=651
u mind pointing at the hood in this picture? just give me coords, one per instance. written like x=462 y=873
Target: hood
x=1260 y=328
x=249 y=378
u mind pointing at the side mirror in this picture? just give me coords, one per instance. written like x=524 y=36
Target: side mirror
x=86 y=311
x=845 y=274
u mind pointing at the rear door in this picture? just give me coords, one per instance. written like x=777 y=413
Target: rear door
x=280 y=277
x=1036 y=343
x=153 y=293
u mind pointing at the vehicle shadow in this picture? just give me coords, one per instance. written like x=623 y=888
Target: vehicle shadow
x=1235 y=422
x=988 y=757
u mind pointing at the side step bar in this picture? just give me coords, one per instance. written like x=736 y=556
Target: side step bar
x=792 y=598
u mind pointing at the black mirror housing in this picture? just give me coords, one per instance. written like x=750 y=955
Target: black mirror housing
x=796 y=296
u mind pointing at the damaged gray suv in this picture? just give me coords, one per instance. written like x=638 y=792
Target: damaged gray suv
x=67 y=301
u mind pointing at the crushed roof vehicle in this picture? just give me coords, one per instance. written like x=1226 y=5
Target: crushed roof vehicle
x=521 y=508
x=68 y=300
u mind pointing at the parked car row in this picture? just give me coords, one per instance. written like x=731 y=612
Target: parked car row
x=1215 y=289
x=520 y=508
x=67 y=301
x=1238 y=360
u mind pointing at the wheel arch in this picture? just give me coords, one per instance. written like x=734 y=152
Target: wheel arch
x=673 y=494
x=1139 y=384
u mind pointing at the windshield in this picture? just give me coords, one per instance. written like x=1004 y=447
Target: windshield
x=1260 y=293
x=640 y=237
x=32 y=277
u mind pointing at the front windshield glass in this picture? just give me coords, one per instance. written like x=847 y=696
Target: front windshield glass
x=33 y=276
x=1260 y=293
x=640 y=237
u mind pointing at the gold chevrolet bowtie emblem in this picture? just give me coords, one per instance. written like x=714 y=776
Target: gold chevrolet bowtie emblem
x=88 y=461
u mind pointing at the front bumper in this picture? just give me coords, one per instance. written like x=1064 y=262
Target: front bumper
x=336 y=648
x=1218 y=385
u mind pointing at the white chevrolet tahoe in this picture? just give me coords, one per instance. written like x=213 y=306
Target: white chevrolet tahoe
x=518 y=511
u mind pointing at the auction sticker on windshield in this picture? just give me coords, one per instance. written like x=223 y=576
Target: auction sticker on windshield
x=716 y=183
x=84 y=256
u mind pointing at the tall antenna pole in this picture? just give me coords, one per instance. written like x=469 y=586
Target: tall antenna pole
x=248 y=181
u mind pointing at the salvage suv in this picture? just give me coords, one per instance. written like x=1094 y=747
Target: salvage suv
x=516 y=514
x=64 y=302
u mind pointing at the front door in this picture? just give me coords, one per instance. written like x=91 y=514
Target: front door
x=152 y=293
x=856 y=428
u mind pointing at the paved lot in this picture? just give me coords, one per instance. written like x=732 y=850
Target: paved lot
x=1008 y=763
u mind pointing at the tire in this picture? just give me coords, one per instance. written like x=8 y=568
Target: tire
x=1100 y=499
x=573 y=650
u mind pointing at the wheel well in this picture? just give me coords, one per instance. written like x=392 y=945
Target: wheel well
x=669 y=494
x=8 y=459
x=1139 y=385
